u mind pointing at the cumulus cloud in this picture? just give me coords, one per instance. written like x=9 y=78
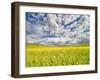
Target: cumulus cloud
x=57 y=29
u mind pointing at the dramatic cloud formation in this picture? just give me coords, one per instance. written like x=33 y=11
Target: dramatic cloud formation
x=57 y=29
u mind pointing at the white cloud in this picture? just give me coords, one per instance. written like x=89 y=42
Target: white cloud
x=52 y=26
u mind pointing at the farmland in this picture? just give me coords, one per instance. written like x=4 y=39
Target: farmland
x=44 y=55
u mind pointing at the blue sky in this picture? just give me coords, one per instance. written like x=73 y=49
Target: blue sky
x=72 y=27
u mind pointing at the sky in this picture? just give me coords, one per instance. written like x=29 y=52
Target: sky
x=56 y=28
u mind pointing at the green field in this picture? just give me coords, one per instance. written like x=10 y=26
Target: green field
x=43 y=55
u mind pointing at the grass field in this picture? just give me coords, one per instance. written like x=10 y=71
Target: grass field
x=42 y=55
